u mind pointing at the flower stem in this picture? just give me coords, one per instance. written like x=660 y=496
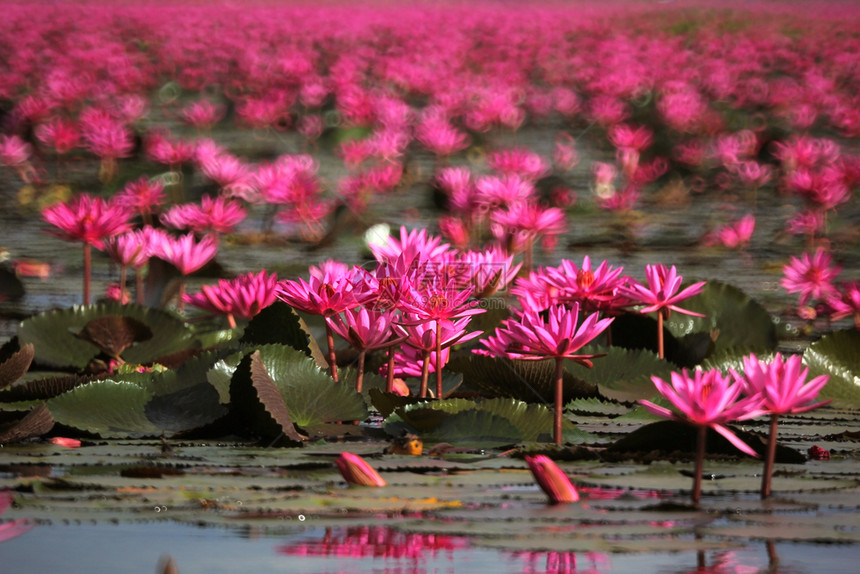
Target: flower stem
x=700 y=464
x=123 y=272
x=138 y=285
x=88 y=267
x=389 y=378
x=438 y=359
x=559 y=388
x=769 y=459
x=425 y=374
x=332 y=357
x=359 y=378
x=660 y=334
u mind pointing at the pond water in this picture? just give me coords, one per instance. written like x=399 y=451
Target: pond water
x=137 y=548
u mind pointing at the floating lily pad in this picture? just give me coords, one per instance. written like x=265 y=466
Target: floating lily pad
x=277 y=324
x=110 y=409
x=837 y=355
x=54 y=334
x=532 y=422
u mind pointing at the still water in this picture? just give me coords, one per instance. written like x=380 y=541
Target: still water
x=137 y=548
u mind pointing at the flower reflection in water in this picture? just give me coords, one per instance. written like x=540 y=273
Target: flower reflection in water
x=583 y=562
x=380 y=542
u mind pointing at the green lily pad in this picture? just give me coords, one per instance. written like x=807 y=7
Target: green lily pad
x=532 y=422
x=54 y=334
x=836 y=355
x=277 y=324
x=623 y=374
x=311 y=396
x=110 y=409
x=596 y=407
x=741 y=321
x=733 y=359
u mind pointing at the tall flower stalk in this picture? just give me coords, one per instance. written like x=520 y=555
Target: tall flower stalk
x=781 y=386
x=661 y=295
x=560 y=336
x=706 y=399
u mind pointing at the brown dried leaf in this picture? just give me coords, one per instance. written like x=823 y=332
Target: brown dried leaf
x=36 y=423
x=271 y=398
x=15 y=366
x=113 y=334
x=43 y=388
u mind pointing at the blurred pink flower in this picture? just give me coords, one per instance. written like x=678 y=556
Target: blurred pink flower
x=87 y=218
x=846 y=303
x=733 y=235
x=219 y=215
x=242 y=297
x=185 y=252
x=811 y=275
x=14 y=151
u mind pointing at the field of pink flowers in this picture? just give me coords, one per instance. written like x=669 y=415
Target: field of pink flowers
x=157 y=135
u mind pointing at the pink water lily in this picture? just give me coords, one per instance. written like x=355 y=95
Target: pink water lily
x=560 y=336
x=782 y=388
x=661 y=295
x=91 y=220
x=366 y=330
x=243 y=297
x=706 y=399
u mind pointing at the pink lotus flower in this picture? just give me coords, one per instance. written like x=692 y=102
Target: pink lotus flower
x=594 y=289
x=415 y=246
x=366 y=330
x=143 y=195
x=811 y=275
x=356 y=470
x=88 y=219
x=202 y=114
x=551 y=479
x=243 y=297
x=706 y=399
x=662 y=295
x=560 y=336
x=60 y=134
x=326 y=296
x=14 y=151
x=782 y=384
x=521 y=162
x=733 y=235
x=15 y=528
x=185 y=252
x=219 y=215
x=782 y=388
x=846 y=303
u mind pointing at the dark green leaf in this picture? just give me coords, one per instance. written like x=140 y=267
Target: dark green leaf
x=741 y=321
x=623 y=374
x=837 y=355
x=271 y=398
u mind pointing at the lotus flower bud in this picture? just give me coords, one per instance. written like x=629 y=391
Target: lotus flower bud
x=356 y=470
x=552 y=480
